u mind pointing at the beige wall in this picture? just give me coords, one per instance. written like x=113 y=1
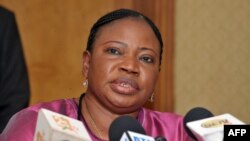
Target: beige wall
x=54 y=35
x=212 y=56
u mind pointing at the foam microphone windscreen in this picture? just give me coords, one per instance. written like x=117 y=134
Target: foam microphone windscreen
x=193 y=115
x=123 y=124
x=160 y=138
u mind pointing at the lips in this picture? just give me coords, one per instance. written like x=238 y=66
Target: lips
x=124 y=86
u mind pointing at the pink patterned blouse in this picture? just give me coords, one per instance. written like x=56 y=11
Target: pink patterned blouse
x=21 y=126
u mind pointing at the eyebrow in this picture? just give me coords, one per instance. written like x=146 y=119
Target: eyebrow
x=118 y=42
x=145 y=48
x=125 y=45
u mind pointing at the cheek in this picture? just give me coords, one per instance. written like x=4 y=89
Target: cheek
x=149 y=77
x=150 y=71
x=100 y=70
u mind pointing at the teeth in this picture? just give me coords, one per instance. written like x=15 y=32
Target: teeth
x=125 y=85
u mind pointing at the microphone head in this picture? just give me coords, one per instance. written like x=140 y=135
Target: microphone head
x=195 y=114
x=160 y=138
x=123 y=124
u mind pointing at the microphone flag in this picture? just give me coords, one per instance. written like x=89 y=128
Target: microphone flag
x=52 y=126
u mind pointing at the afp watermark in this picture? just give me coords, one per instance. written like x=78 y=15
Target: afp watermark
x=236 y=132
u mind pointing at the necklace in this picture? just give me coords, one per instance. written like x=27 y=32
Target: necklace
x=93 y=123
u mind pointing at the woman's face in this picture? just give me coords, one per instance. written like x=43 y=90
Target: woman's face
x=123 y=67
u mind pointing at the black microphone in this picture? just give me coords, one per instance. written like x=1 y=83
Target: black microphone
x=193 y=115
x=123 y=124
x=205 y=126
x=160 y=138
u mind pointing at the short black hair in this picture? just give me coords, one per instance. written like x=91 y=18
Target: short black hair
x=119 y=14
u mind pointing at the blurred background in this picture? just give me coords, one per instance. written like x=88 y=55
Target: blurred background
x=206 y=60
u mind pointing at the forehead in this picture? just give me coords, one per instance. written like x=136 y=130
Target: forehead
x=128 y=27
x=127 y=22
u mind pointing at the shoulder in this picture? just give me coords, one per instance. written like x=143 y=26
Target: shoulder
x=163 y=117
x=5 y=13
x=6 y=17
x=63 y=106
x=25 y=120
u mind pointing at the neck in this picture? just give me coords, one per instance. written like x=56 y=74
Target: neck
x=97 y=117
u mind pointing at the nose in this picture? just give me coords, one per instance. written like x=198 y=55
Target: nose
x=130 y=65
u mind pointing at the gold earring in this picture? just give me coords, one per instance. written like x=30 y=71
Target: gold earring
x=85 y=83
x=151 y=99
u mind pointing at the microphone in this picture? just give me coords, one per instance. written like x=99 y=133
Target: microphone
x=53 y=126
x=194 y=114
x=127 y=128
x=160 y=138
x=205 y=126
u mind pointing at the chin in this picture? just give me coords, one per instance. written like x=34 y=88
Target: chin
x=125 y=108
x=124 y=111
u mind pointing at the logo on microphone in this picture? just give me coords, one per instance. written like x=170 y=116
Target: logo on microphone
x=215 y=123
x=40 y=136
x=64 y=123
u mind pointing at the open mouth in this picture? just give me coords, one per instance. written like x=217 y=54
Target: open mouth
x=124 y=86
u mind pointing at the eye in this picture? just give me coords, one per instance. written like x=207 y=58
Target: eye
x=114 y=51
x=147 y=59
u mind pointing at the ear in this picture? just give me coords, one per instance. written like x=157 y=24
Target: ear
x=86 y=62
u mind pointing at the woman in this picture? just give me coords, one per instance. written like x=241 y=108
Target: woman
x=121 y=66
